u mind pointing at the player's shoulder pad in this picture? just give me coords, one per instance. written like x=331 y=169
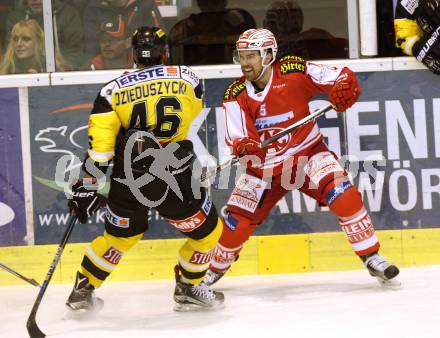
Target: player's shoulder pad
x=291 y=64
x=108 y=89
x=235 y=89
x=188 y=74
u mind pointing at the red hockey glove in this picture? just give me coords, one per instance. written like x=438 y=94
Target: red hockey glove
x=345 y=92
x=247 y=146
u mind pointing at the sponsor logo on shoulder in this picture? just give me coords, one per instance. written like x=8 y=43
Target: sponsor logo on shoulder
x=190 y=73
x=234 y=89
x=172 y=71
x=291 y=58
x=291 y=64
x=145 y=74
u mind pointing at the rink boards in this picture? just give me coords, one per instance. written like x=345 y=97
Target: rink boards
x=155 y=259
x=389 y=141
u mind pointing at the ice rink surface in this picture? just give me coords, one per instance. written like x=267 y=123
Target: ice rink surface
x=348 y=304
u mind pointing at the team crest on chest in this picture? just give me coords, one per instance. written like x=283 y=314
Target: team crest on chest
x=278 y=146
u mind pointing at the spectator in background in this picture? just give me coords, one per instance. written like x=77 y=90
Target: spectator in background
x=417 y=26
x=80 y=5
x=134 y=13
x=285 y=19
x=25 y=51
x=68 y=31
x=209 y=36
x=115 y=48
x=5 y=7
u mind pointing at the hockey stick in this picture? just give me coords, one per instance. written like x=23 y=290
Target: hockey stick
x=19 y=275
x=271 y=139
x=297 y=124
x=32 y=327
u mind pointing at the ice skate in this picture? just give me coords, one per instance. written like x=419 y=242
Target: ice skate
x=212 y=277
x=384 y=272
x=82 y=299
x=190 y=297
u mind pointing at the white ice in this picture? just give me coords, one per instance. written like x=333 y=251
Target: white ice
x=348 y=304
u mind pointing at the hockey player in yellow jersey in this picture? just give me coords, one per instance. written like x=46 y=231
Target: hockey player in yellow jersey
x=140 y=121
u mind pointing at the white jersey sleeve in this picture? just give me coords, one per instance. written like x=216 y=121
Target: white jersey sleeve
x=322 y=74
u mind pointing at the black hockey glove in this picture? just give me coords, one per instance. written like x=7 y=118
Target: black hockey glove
x=427 y=51
x=427 y=15
x=85 y=201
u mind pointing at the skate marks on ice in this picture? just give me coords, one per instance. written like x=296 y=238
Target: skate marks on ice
x=337 y=304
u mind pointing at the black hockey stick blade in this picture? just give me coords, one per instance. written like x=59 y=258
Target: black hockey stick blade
x=19 y=275
x=34 y=283
x=31 y=324
x=33 y=329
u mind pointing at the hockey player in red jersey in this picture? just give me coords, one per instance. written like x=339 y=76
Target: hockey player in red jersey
x=271 y=95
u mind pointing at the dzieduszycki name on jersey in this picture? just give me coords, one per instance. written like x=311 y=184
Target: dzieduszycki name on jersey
x=144 y=90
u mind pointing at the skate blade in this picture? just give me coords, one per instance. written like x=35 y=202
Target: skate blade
x=70 y=314
x=82 y=314
x=390 y=283
x=189 y=307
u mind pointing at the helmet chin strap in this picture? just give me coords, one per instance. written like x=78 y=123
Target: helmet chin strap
x=262 y=72
x=263 y=55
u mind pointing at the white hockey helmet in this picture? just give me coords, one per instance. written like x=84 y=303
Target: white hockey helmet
x=260 y=39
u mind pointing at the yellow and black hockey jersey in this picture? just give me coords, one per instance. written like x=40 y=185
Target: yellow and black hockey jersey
x=163 y=100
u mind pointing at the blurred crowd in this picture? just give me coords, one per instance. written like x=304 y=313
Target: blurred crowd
x=87 y=34
x=95 y=34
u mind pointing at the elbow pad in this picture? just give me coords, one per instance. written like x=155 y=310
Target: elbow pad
x=407 y=34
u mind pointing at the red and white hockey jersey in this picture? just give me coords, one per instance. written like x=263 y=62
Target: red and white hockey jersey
x=283 y=101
